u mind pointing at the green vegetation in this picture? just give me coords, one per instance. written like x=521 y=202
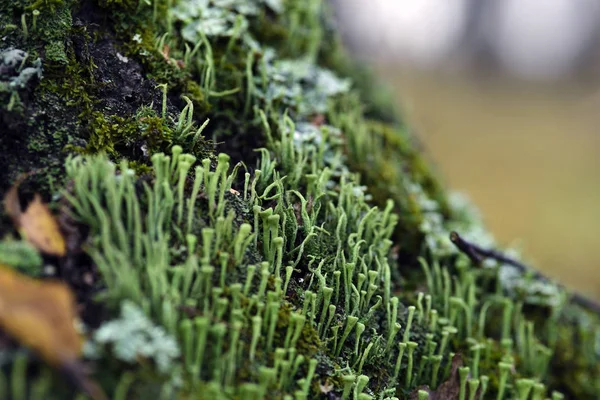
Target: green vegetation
x=253 y=224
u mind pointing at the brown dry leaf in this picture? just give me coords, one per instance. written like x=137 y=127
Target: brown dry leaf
x=165 y=52
x=448 y=390
x=40 y=315
x=11 y=202
x=318 y=120
x=36 y=224
x=326 y=387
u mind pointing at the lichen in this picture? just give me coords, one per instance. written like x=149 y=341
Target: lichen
x=133 y=336
x=223 y=171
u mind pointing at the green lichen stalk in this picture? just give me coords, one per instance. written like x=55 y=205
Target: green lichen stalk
x=247 y=219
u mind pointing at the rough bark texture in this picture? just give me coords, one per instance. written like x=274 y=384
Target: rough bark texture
x=328 y=274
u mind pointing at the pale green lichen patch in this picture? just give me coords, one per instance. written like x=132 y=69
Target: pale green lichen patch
x=133 y=336
x=249 y=228
x=219 y=18
x=16 y=73
x=298 y=85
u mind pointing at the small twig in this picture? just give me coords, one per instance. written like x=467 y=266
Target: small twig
x=469 y=249
x=75 y=372
x=477 y=255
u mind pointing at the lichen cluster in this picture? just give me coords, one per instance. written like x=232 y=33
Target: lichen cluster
x=247 y=219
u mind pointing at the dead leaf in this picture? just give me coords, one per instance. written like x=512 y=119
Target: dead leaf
x=36 y=224
x=318 y=120
x=326 y=387
x=448 y=390
x=165 y=52
x=11 y=202
x=41 y=315
x=235 y=192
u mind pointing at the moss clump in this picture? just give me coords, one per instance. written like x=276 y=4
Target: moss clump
x=223 y=184
x=139 y=135
x=22 y=256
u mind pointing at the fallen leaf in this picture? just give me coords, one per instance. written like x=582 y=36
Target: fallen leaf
x=448 y=390
x=36 y=224
x=41 y=315
x=165 y=52
x=326 y=387
x=11 y=202
x=318 y=120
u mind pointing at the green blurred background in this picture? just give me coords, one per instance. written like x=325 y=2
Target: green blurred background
x=528 y=157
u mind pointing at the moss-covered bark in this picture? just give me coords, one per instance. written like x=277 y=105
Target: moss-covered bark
x=319 y=266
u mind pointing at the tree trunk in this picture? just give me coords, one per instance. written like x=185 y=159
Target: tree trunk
x=329 y=272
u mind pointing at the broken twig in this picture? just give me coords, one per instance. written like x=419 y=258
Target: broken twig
x=478 y=254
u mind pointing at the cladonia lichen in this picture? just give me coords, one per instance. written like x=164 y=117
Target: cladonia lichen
x=244 y=220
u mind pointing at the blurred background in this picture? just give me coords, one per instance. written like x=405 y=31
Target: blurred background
x=506 y=97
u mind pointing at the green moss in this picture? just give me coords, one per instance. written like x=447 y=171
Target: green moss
x=54 y=22
x=55 y=52
x=45 y=5
x=115 y=135
x=292 y=268
x=127 y=4
x=73 y=84
x=21 y=256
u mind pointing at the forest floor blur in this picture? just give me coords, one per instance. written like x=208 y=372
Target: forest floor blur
x=528 y=158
